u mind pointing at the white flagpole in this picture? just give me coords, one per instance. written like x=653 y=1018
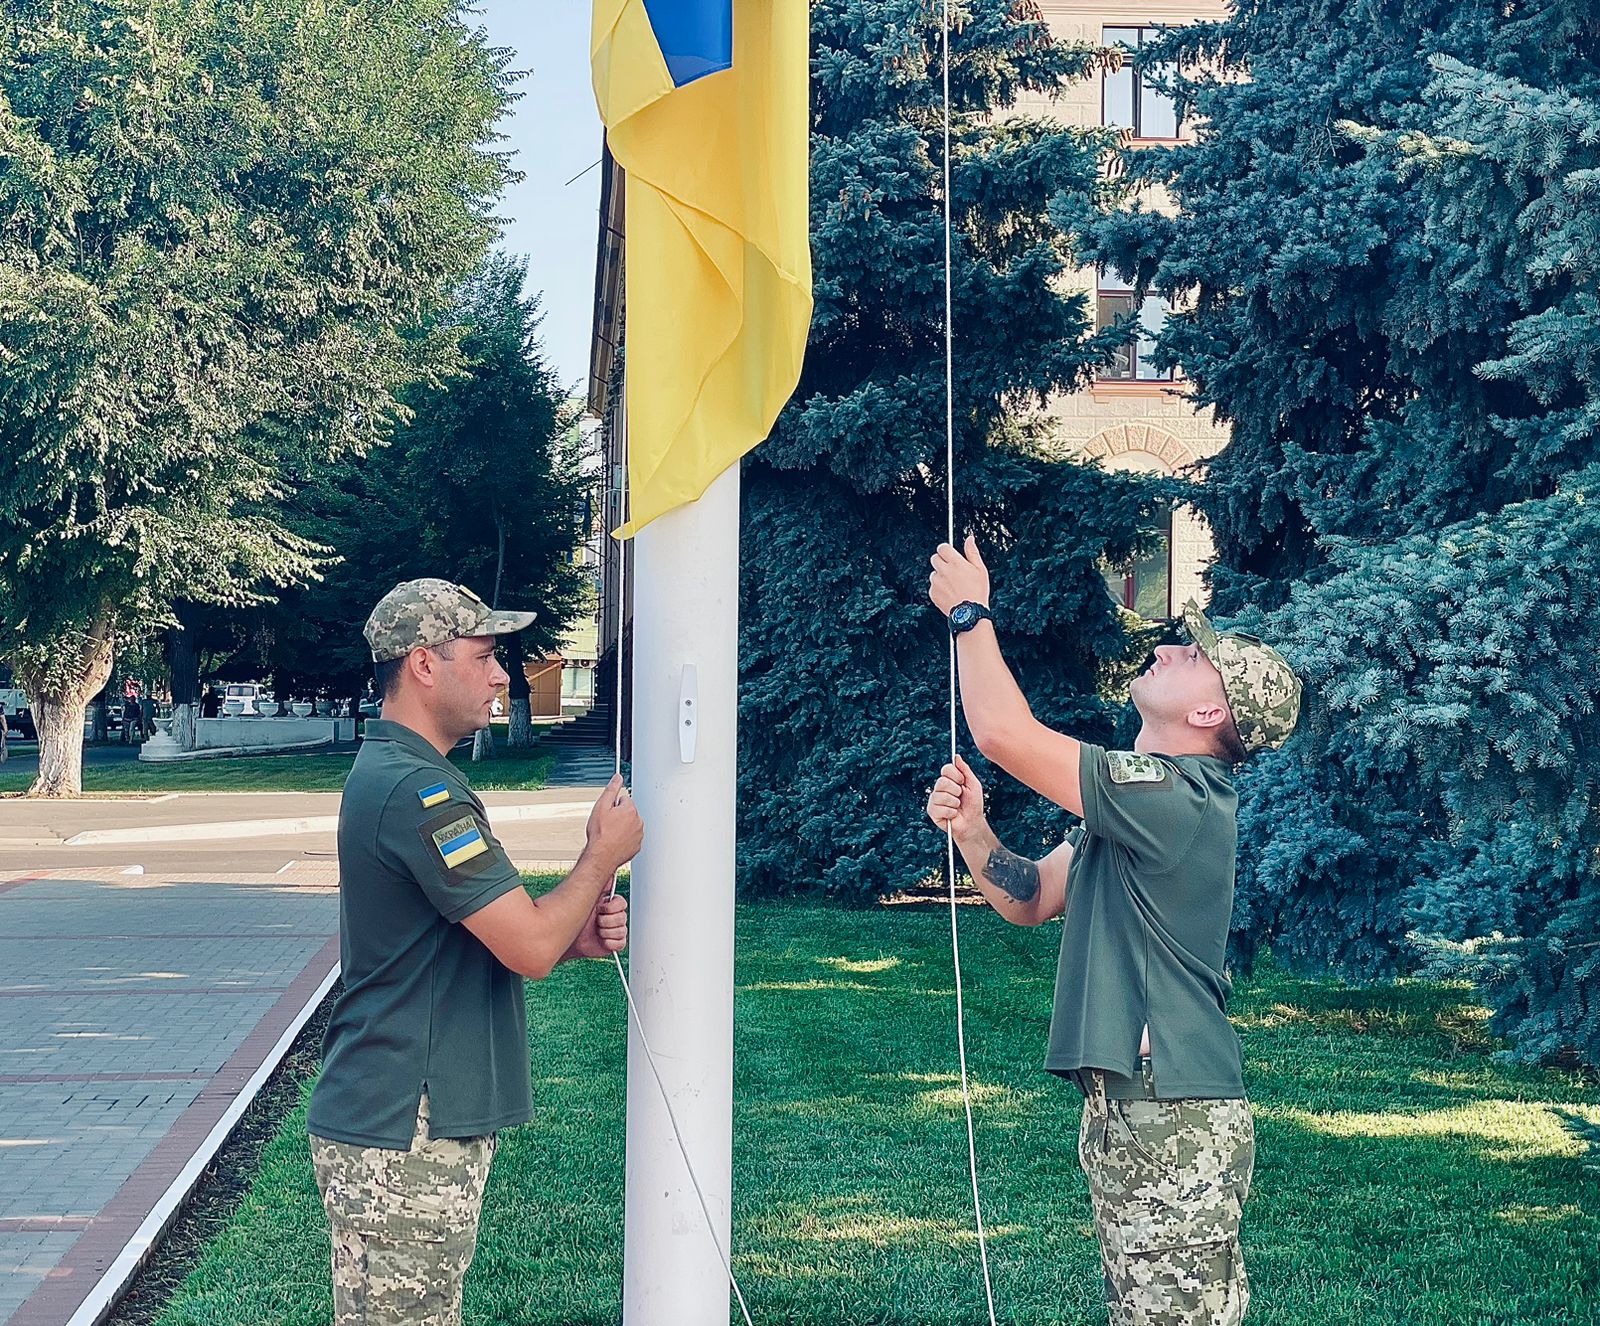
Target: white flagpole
x=685 y=682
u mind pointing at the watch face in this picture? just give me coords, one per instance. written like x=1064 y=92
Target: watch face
x=964 y=616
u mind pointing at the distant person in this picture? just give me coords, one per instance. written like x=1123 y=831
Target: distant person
x=147 y=715
x=132 y=719
x=5 y=733
x=210 y=703
x=426 y=1053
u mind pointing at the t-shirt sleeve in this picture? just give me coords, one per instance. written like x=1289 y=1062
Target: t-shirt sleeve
x=433 y=832
x=1140 y=802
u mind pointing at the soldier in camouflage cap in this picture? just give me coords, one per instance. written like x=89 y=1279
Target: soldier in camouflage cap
x=426 y=1054
x=421 y=614
x=1140 y=1025
x=1262 y=690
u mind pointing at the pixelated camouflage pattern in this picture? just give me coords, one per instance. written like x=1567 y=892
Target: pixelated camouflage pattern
x=404 y=1225
x=423 y=613
x=1168 y=1180
x=1262 y=689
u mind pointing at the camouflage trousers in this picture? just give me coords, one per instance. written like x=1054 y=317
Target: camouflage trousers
x=1168 y=1180
x=404 y=1225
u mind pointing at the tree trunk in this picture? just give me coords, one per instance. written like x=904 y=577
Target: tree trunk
x=519 y=732
x=483 y=745
x=60 y=690
x=60 y=725
x=181 y=728
x=182 y=648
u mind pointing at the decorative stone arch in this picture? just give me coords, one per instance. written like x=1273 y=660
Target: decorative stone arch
x=1133 y=446
x=1150 y=450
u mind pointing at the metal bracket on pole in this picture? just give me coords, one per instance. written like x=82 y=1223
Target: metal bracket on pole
x=688 y=715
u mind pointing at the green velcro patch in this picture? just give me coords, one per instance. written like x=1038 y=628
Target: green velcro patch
x=1126 y=766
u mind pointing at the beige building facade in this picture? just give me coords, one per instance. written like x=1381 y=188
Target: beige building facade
x=1132 y=417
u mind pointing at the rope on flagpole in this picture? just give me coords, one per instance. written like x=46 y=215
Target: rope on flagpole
x=950 y=537
x=622 y=973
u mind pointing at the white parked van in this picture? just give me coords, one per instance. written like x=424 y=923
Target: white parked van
x=245 y=699
x=19 y=715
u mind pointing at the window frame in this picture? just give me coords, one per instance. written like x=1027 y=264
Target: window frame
x=1139 y=87
x=1128 y=573
x=1110 y=284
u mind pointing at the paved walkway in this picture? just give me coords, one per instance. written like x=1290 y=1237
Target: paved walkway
x=201 y=832
x=134 y=1010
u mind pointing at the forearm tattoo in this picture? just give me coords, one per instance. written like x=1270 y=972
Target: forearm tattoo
x=1017 y=875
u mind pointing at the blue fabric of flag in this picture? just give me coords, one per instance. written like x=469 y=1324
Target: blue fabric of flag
x=695 y=36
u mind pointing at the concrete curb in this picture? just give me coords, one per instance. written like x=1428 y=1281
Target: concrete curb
x=235 y=752
x=228 y=829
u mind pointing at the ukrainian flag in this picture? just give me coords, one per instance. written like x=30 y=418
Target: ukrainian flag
x=706 y=109
x=463 y=848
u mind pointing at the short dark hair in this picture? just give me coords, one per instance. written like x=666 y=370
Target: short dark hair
x=1230 y=746
x=387 y=674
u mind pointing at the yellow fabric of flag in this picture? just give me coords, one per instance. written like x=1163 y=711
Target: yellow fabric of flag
x=718 y=254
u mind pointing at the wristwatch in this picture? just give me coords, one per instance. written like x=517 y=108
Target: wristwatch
x=964 y=616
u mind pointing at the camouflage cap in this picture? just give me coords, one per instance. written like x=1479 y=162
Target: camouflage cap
x=1261 y=687
x=420 y=614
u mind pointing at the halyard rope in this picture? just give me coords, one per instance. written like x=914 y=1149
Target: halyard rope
x=950 y=537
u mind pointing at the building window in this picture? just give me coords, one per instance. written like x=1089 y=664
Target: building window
x=1127 y=99
x=1144 y=585
x=1133 y=362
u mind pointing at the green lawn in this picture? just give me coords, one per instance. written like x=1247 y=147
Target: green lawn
x=277 y=773
x=1402 y=1177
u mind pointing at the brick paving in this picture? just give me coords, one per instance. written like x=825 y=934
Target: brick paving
x=133 y=1010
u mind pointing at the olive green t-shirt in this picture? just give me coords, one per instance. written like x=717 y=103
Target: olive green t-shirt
x=425 y=1005
x=1144 y=939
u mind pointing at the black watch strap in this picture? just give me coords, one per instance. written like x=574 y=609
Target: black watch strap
x=964 y=616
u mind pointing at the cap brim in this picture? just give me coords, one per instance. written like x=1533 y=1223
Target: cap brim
x=504 y=623
x=1200 y=629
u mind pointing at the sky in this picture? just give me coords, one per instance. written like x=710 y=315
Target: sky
x=554 y=134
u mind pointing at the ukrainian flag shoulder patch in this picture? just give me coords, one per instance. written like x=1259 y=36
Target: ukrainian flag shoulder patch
x=433 y=796
x=459 y=842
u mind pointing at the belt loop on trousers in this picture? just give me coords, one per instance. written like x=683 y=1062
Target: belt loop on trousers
x=1096 y=1096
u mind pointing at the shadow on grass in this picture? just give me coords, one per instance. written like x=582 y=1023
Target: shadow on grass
x=1429 y=1219
x=1402 y=1178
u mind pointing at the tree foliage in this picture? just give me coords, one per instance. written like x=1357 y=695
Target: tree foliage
x=843 y=663
x=483 y=486
x=220 y=228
